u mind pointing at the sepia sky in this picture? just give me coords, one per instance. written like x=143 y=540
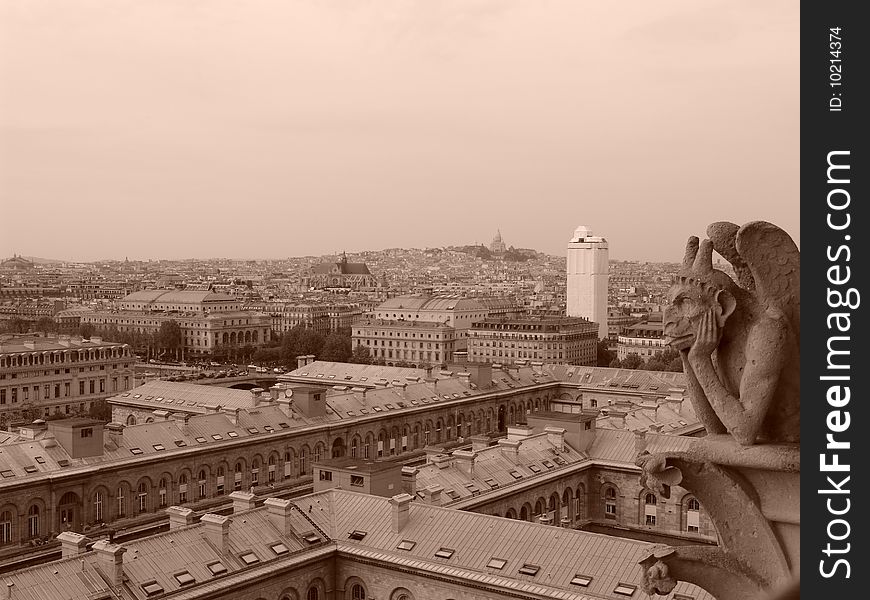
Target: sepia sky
x=275 y=128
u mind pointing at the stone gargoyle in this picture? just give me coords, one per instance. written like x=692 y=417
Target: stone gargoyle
x=740 y=341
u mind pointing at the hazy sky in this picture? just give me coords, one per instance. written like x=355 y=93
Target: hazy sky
x=274 y=128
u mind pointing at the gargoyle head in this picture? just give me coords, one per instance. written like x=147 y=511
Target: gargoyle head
x=697 y=288
x=656 y=578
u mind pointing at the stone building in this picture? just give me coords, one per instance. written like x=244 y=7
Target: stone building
x=643 y=339
x=342 y=274
x=45 y=376
x=559 y=340
x=342 y=545
x=411 y=342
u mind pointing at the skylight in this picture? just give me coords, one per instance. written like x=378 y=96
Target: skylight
x=136 y=451
x=184 y=578
x=159 y=447
x=581 y=580
x=268 y=428
x=152 y=588
x=528 y=569
x=217 y=436
x=535 y=468
x=7 y=473
x=283 y=425
x=217 y=568
x=548 y=464
x=180 y=443
x=279 y=549
x=311 y=538
x=253 y=430
x=249 y=558
x=491 y=482
x=445 y=552
x=516 y=474
x=406 y=545
x=624 y=589
x=201 y=440
x=356 y=534
x=40 y=460
x=232 y=434
x=30 y=469
x=496 y=563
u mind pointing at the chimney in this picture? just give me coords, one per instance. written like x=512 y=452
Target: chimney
x=278 y=511
x=556 y=437
x=479 y=442
x=400 y=387
x=464 y=460
x=216 y=529
x=161 y=414
x=649 y=409
x=285 y=404
x=545 y=519
x=465 y=378
x=48 y=440
x=675 y=399
x=433 y=494
x=519 y=432
x=180 y=517
x=115 y=432
x=361 y=391
x=617 y=418
x=181 y=419
x=639 y=441
x=428 y=372
x=110 y=557
x=301 y=361
x=257 y=396
x=409 y=480
x=275 y=392
x=310 y=359
x=243 y=501
x=72 y=544
x=212 y=409
x=7 y=593
x=656 y=427
x=233 y=414
x=537 y=367
x=401 y=511
x=510 y=449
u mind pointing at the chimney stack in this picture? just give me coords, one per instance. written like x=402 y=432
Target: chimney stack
x=233 y=414
x=510 y=449
x=464 y=460
x=179 y=517
x=479 y=442
x=639 y=441
x=401 y=511
x=257 y=396
x=275 y=392
x=243 y=501
x=216 y=529
x=519 y=432
x=72 y=544
x=409 y=480
x=110 y=557
x=433 y=494
x=181 y=420
x=279 y=514
x=556 y=437
x=465 y=377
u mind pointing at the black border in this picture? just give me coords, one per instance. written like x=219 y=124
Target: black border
x=824 y=131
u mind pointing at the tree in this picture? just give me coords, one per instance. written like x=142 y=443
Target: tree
x=336 y=348
x=605 y=354
x=362 y=355
x=86 y=330
x=169 y=337
x=46 y=325
x=615 y=364
x=632 y=361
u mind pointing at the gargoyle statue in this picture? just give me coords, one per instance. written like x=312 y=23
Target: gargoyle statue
x=740 y=344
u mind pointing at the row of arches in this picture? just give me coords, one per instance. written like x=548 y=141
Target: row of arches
x=355 y=588
x=233 y=338
x=51 y=357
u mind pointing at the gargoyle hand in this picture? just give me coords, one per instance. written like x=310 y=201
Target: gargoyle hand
x=708 y=336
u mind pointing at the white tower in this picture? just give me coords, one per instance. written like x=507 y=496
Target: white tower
x=587 y=278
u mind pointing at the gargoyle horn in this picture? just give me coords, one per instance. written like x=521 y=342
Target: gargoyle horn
x=704 y=259
x=691 y=253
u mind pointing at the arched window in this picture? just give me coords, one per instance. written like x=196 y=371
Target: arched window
x=33 y=521
x=353 y=447
x=610 y=503
x=693 y=515
x=202 y=483
x=6 y=527
x=131 y=420
x=255 y=472
x=143 y=497
x=357 y=592
x=401 y=594
x=649 y=509
x=313 y=594
x=122 y=505
x=303 y=462
x=98 y=507
x=318 y=452
x=694 y=504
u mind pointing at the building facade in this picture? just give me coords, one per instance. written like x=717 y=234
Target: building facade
x=413 y=342
x=643 y=339
x=587 y=271
x=342 y=274
x=63 y=375
x=559 y=340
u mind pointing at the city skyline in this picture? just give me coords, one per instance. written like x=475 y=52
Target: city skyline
x=275 y=129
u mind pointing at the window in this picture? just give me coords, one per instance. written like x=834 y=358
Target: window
x=5 y=527
x=122 y=508
x=357 y=480
x=98 y=507
x=326 y=476
x=357 y=592
x=610 y=503
x=279 y=549
x=649 y=508
x=249 y=558
x=313 y=594
x=152 y=588
x=528 y=569
x=217 y=568
x=356 y=534
x=624 y=589
x=406 y=545
x=444 y=552
x=693 y=521
x=33 y=521
x=496 y=563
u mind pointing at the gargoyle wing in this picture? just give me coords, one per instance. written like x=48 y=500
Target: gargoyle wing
x=775 y=263
x=724 y=237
